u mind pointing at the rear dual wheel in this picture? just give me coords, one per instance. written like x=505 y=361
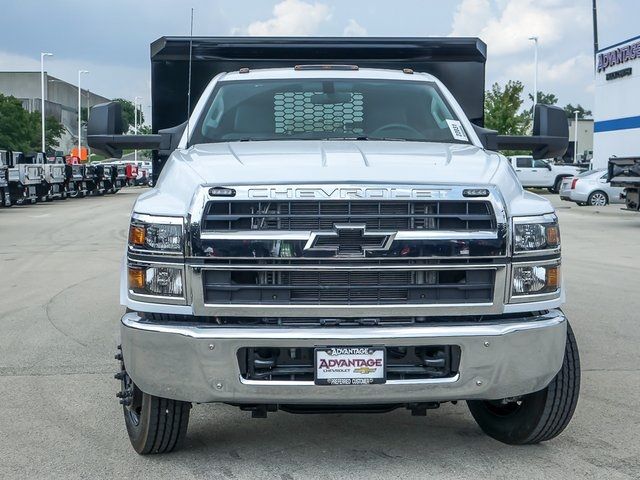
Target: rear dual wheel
x=536 y=417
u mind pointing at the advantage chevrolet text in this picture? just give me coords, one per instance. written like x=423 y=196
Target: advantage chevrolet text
x=329 y=235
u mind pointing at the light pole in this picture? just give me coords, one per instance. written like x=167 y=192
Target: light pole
x=80 y=72
x=42 y=55
x=535 y=71
x=575 y=139
x=135 y=124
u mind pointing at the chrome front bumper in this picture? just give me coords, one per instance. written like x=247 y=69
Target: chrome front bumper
x=199 y=363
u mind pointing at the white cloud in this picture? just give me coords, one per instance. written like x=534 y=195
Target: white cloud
x=470 y=17
x=292 y=17
x=506 y=31
x=16 y=63
x=564 y=31
x=354 y=29
x=564 y=72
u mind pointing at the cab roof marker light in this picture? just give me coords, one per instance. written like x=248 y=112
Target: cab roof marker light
x=302 y=68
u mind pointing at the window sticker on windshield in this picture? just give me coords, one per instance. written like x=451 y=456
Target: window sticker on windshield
x=456 y=130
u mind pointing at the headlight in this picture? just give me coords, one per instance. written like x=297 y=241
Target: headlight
x=164 y=281
x=156 y=233
x=535 y=233
x=535 y=279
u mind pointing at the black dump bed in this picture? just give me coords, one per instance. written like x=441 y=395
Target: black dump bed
x=458 y=62
x=624 y=172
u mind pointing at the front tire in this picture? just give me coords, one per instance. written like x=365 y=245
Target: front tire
x=154 y=424
x=539 y=416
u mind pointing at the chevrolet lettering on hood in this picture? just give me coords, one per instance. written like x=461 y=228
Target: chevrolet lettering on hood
x=312 y=193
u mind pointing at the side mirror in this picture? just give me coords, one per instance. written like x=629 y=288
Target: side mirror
x=105 y=128
x=105 y=119
x=550 y=137
x=488 y=138
x=550 y=121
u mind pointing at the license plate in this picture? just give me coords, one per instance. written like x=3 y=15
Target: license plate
x=350 y=365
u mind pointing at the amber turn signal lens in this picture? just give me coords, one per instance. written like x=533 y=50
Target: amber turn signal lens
x=553 y=236
x=553 y=278
x=136 y=235
x=136 y=278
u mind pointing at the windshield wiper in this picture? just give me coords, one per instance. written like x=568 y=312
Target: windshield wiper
x=365 y=138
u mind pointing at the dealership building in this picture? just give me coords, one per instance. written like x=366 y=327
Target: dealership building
x=61 y=101
x=617 y=102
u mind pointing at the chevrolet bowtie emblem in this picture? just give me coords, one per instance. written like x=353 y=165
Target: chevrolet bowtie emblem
x=364 y=370
x=349 y=240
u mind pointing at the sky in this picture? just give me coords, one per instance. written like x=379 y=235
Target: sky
x=111 y=38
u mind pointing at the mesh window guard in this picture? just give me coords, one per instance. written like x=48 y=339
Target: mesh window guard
x=295 y=112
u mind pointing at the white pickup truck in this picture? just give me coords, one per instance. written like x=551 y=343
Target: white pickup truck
x=541 y=173
x=332 y=238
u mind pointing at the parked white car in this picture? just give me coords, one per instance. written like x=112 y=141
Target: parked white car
x=590 y=188
x=541 y=173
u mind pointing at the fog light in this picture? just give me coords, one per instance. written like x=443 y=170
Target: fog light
x=535 y=279
x=164 y=281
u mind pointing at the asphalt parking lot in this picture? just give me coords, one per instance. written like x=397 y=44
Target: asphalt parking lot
x=59 y=417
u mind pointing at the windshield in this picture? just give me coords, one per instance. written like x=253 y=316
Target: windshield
x=308 y=109
x=589 y=173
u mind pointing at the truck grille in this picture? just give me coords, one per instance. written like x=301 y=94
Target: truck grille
x=323 y=215
x=350 y=287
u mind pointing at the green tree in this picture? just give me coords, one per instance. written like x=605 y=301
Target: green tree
x=128 y=115
x=582 y=112
x=20 y=130
x=502 y=109
x=53 y=131
x=144 y=129
x=545 y=98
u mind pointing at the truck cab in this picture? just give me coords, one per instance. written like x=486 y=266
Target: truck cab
x=26 y=177
x=5 y=197
x=541 y=173
x=55 y=178
x=340 y=238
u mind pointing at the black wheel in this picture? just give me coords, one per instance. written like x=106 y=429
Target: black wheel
x=556 y=186
x=154 y=424
x=598 y=199
x=536 y=417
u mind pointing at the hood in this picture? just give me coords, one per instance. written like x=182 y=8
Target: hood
x=339 y=161
x=307 y=162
